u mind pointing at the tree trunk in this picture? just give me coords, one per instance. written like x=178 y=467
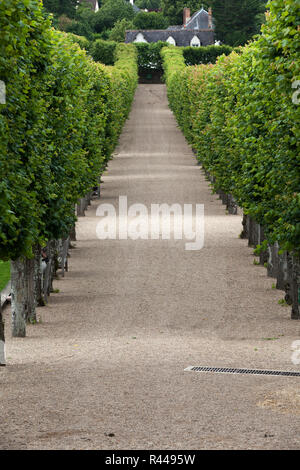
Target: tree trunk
x=295 y=288
x=80 y=207
x=18 y=298
x=264 y=255
x=273 y=260
x=254 y=233
x=245 y=232
x=282 y=276
x=2 y=340
x=231 y=205
x=31 y=302
x=38 y=277
x=73 y=234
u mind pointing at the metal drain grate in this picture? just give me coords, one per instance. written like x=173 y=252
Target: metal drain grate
x=227 y=370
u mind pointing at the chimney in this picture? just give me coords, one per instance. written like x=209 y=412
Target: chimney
x=210 y=20
x=186 y=15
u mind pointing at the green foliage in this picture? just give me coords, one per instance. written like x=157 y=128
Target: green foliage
x=123 y=82
x=61 y=7
x=111 y=12
x=103 y=51
x=83 y=24
x=173 y=63
x=204 y=55
x=118 y=31
x=149 y=57
x=25 y=47
x=82 y=42
x=60 y=122
x=151 y=20
x=173 y=9
x=240 y=117
x=4 y=274
x=236 y=21
x=174 y=67
x=148 y=4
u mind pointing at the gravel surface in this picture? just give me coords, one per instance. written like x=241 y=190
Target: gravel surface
x=104 y=368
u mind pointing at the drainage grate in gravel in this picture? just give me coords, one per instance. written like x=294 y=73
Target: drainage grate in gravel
x=227 y=370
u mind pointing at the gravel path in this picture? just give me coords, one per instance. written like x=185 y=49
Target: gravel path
x=105 y=367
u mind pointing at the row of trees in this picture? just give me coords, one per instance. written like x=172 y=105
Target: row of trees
x=236 y=21
x=241 y=116
x=60 y=122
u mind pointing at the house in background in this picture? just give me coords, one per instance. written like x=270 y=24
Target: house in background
x=196 y=31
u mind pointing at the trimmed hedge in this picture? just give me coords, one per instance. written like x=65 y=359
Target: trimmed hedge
x=149 y=57
x=123 y=82
x=240 y=117
x=205 y=54
x=60 y=123
x=82 y=41
x=103 y=51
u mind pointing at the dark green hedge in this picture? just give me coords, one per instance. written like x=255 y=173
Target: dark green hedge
x=103 y=51
x=149 y=57
x=204 y=55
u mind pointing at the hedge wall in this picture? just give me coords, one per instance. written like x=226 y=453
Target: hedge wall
x=204 y=55
x=82 y=41
x=149 y=57
x=58 y=127
x=240 y=116
x=103 y=51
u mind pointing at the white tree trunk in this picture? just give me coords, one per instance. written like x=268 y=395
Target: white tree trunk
x=18 y=298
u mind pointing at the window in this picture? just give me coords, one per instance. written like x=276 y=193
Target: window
x=140 y=38
x=195 y=42
x=171 y=40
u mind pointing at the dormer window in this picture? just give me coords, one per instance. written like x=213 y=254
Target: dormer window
x=195 y=42
x=140 y=38
x=171 y=40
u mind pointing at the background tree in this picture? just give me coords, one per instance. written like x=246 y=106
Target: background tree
x=151 y=20
x=83 y=23
x=148 y=4
x=118 y=31
x=61 y=7
x=237 y=21
x=110 y=12
x=173 y=9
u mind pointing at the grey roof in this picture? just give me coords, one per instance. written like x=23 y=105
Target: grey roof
x=182 y=37
x=199 y=20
